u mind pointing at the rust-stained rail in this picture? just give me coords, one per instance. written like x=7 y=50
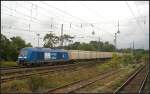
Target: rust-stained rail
x=41 y=70
x=70 y=88
x=133 y=83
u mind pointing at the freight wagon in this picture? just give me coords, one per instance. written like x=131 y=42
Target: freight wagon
x=34 y=56
x=88 y=55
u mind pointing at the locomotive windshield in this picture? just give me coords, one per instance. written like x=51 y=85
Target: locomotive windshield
x=23 y=53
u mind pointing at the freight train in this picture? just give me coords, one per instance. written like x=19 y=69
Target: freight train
x=36 y=56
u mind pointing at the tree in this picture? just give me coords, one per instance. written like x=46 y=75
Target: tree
x=92 y=46
x=17 y=43
x=98 y=45
x=10 y=48
x=50 y=40
x=127 y=59
x=67 y=38
x=5 y=48
x=86 y=47
x=28 y=45
x=108 y=47
x=73 y=46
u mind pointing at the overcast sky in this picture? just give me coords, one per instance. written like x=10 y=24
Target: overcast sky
x=27 y=18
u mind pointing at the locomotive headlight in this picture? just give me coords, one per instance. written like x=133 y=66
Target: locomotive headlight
x=22 y=57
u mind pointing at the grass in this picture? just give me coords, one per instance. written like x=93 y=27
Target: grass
x=56 y=79
x=123 y=76
x=15 y=85
x=8 y=64
x=61 y=78
x=66 y=77
x=36 y=82
x=111 y=83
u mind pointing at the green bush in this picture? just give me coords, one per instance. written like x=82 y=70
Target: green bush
x=117 y=84
x=115 y=61
x=127 y=59
x=52 y=85
x=8 y=63
x=145 y=57
x=15 y=86
x=36 y=82
x=134 y=66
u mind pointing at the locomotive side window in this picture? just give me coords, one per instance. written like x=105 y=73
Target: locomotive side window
x=63 y=55
x=47 y=55
x=53 y=55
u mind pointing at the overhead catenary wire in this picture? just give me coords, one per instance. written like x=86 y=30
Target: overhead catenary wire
x=140 y=13
x=70 y=14
x=67 y=23
x=95 y=12
x=47 y=11
x=27 y=15
x=35 y=31
x=15 y=34
x=27 y=24
x=26 y=37
x=37 y=21
x=86 y=36
x=134 y=16
x=139 y=25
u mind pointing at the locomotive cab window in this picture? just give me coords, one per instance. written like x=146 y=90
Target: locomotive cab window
x=23 y=53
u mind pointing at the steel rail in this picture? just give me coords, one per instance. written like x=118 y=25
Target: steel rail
x=23 y=76
x=143 y=83
x=21 y=70
x=117 y=91
x=70 y=88
x=33 y=69
x=43 y=71
x=9 y=71
x=8 y=68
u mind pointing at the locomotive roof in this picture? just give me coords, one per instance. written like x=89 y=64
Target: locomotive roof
x=44 y=49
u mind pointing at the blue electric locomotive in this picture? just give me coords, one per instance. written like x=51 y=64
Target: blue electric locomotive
x=34 y=56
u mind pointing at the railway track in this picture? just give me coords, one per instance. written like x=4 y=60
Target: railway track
x=13 y=70
x=141 y=91
x=27 y=75
x=8 y=68
x=146 y=87
x=42 y=71
x=22 y=70
x=72 y=87
x=135 y=83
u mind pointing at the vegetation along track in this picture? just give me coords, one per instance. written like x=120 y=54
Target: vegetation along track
x=134 y=84
x=13 y=70
x=9 y=68
x=42 y=71
x=21 y=70
x=70 y=88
